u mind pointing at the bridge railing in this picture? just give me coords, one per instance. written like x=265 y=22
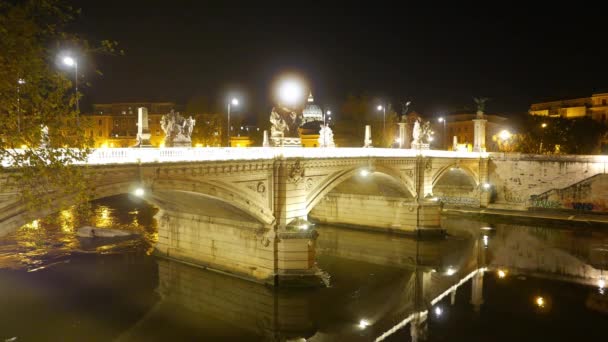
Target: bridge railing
x=153 y=155
x=185 y=154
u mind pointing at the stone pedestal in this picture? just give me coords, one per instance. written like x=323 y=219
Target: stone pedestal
x=479 y=139
x=367 y=141
x=280 y=141
x=296 y=265
x=143 y=132
x=265 y=142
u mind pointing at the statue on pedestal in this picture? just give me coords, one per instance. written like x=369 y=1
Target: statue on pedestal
x=481 y=105
x=178 y=130
x=326 y=137
x=284 y=126
x=416 y=132
x=421 y=134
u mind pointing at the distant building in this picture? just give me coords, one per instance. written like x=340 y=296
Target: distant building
x=461 y=126
x=309 y=133
x=115 y=124
x=595 y=107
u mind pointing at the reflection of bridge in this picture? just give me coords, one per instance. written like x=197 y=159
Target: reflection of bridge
x=246 y=211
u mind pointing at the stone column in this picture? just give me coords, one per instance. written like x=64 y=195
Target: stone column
x=479 y=139
x=455 y=143
x=367 y=142
x=143 y=132
x=428 y=209
x=404 y=137
x=485 y=193
x=295 y=241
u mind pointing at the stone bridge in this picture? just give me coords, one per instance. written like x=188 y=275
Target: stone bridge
x=248 y=212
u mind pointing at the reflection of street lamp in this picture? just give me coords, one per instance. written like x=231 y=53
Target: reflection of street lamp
x=445 y=140
x=71 y=62
x=383 y=109
x=233 y=102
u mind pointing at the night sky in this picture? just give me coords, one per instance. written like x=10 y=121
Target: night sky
x=437 y=56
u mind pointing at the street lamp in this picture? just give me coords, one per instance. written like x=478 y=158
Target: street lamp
x=383 y=109
x=71 y=62
x=233 y=102
x=326 y=117
x=290 y=92
x=445 y=142
x=505 y=135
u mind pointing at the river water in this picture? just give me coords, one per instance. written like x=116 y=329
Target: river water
x=484 y=282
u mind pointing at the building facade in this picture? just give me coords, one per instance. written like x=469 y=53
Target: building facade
x=594 y=107
x=461 y=126
x=115 y=124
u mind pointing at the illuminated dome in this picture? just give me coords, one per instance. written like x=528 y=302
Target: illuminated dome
x=312 y=112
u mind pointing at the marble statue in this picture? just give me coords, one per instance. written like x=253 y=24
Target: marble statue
x=178 y=130
x=284 y=126
x=416 y=133
x=326 y=137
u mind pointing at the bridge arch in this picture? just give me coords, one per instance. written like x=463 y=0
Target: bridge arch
x=444 y=171
x=222 y=192
x=17 y=214
x=330 y=183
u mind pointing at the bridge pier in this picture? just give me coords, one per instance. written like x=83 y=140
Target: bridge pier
x=210 y=234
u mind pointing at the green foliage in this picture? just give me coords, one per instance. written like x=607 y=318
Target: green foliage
x=559 y=135
x=36 y=93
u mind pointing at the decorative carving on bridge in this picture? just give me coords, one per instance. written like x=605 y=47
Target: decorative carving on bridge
x=258 y=187
x=261 y=188
x=297 y=173
x=309 y=183
x=428 y=165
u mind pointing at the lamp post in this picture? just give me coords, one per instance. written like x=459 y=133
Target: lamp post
x=72 y=62
x=444 y=139
x=233 y=102
x=326 y=117
x=20 y=82
x=542 y=136
x=383 y=109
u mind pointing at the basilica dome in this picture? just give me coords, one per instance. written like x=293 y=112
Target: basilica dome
x=312 y=112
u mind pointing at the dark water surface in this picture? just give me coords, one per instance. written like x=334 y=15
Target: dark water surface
x=483 y=282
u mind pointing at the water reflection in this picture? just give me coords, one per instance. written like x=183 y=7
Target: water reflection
x=545 y=281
